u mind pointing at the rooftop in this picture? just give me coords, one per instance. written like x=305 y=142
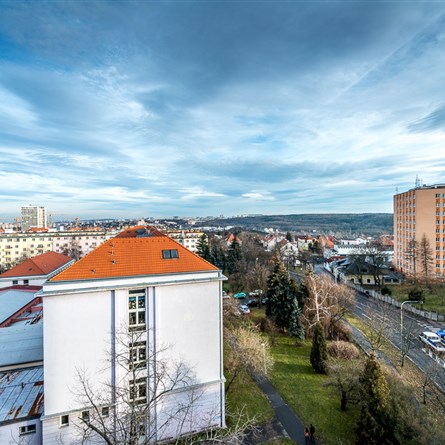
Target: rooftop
x=136 y=251
x=12 y=300
x=39 y=265
x=21 y=393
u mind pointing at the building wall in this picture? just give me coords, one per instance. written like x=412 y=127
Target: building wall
x=10 y=433
x=33 y=216
x=417 y=212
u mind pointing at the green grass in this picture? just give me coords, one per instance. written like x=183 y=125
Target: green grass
x=434 y=296
x=280 y=441
x=305 y=392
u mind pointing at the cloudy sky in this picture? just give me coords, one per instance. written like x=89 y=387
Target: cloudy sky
x=159 y=108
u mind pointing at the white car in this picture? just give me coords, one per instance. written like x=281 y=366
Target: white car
x=244 y=309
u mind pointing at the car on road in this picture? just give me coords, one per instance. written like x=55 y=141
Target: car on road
x=432 y=340
x=239 y=295
x=244 y=309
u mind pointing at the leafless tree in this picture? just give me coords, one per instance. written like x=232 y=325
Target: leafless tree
x=377 y=325
x=153 y=397
x=425 y=257
x=411 y=255
x=327 y=302
x=249 y=350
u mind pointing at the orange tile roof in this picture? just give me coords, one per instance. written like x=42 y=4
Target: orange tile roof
x=39 y=265
x=130 y=254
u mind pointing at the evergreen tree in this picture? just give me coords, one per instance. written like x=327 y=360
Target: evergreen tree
x=319 y=352
x=375 y=425
x=289 y=237
x=283 y=304
x=234 y=256
x=202 y=248
x=218 y=256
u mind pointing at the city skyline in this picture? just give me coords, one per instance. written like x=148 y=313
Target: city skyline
x=132 y=109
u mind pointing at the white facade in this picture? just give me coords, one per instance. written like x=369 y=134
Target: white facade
x=84 y=322
x=33 y=216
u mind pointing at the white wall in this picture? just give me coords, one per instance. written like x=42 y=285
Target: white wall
x=9 y=433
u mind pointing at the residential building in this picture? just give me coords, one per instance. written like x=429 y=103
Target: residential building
x=418 y=212
x=15 y=247
x=36 y=270
x=143 y=283
x=188 y=238
x=33 y=216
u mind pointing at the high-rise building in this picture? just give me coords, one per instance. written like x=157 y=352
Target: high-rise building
x=33 y=216
x=418 y=212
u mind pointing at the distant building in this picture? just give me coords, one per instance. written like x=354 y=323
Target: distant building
x=418 y=212
x=33 y=216
x=36 y=270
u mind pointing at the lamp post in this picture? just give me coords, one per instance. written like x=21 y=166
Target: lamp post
x=401 y=324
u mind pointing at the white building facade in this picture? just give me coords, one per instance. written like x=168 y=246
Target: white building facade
x=148 y=298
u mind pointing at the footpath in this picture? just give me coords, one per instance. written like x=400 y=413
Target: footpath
x=285 y=424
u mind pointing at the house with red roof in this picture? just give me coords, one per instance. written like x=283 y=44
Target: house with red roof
x=36 y=270
x=141 y=316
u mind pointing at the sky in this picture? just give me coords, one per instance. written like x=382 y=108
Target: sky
x=194 y=108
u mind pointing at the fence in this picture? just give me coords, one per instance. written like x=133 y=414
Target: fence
x=430 y=315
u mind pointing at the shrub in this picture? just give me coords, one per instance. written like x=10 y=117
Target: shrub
x=386 y=291
x=343 y=349
x=342 y=331
x=416 y=294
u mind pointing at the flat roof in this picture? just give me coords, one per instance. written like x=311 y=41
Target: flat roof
x=12 y=300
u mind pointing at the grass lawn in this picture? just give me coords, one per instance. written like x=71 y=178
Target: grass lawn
x=305 y=392
x=434 y=297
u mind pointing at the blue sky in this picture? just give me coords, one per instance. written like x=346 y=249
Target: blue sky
x=160 y=108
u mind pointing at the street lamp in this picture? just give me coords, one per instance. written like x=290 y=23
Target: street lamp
x=401 y=323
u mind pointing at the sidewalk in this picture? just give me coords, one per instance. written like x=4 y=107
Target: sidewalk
x=286 y=420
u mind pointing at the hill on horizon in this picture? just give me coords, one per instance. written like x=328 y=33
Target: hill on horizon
x=345 y=223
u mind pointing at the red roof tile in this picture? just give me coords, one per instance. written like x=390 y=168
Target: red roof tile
x=134 y=252
x=39 y=265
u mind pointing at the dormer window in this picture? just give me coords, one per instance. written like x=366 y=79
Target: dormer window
x=168 y=254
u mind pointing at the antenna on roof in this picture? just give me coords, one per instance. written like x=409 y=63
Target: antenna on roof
x=418 y=182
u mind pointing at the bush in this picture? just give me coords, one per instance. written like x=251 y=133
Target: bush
x=343 y=349
x=416 y=294
x=342 y=331
x=386 y=291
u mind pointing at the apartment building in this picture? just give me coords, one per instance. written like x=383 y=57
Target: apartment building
x=16 y=247
x=417 y=212
x=141 y=316
x=33 y=216
x=188 y=238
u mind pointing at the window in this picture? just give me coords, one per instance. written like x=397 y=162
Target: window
x=138 y=355
x=15 y=282
x=437 y=195
x=168 y=254
x=85 y=416
x=25 y=282
x=105 y=411
x=138 y=391
x=64 y=420
x=136 y=310
x=27 y=429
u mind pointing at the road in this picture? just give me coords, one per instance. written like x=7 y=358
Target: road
x=373 y=311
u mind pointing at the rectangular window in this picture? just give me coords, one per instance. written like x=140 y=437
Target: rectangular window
x=15 y=282
x=437 y=195
x=105 y=411
x=85 y=416
x=27 y=429
x=138 y=391
x=168 y=254
x=25 y=282
x=64 y=420
x=136 y=310
x=138 y=355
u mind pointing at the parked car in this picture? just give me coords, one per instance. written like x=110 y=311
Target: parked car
x=255 y=293
x=239 y=295
x=253 y=302
x=224 y=295
x=244 y=309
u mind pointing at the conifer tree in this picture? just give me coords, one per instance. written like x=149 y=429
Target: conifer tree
x=374 y=425
x=234 y=256
x=283 y=304
x=202 y=248
x=319 y=352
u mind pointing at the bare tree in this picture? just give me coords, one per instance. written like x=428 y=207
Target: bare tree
x=411 y=255
x=327 y=302
x=377 y=325
x=151 y=398
x=249 y=350
x=425 y=257
x=344 y=378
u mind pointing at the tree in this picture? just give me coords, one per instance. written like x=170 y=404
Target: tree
x=425 y=257
x=319 y=352
x=371 y=257
x=327 y=302
x=289 y=237
x=411 y=255
x=153 y=397
x=202 y=248
x=73 y=249
x=234 y=256
x=344 y=377
x=249 y=351
x=284 y=300
x=374 y=424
